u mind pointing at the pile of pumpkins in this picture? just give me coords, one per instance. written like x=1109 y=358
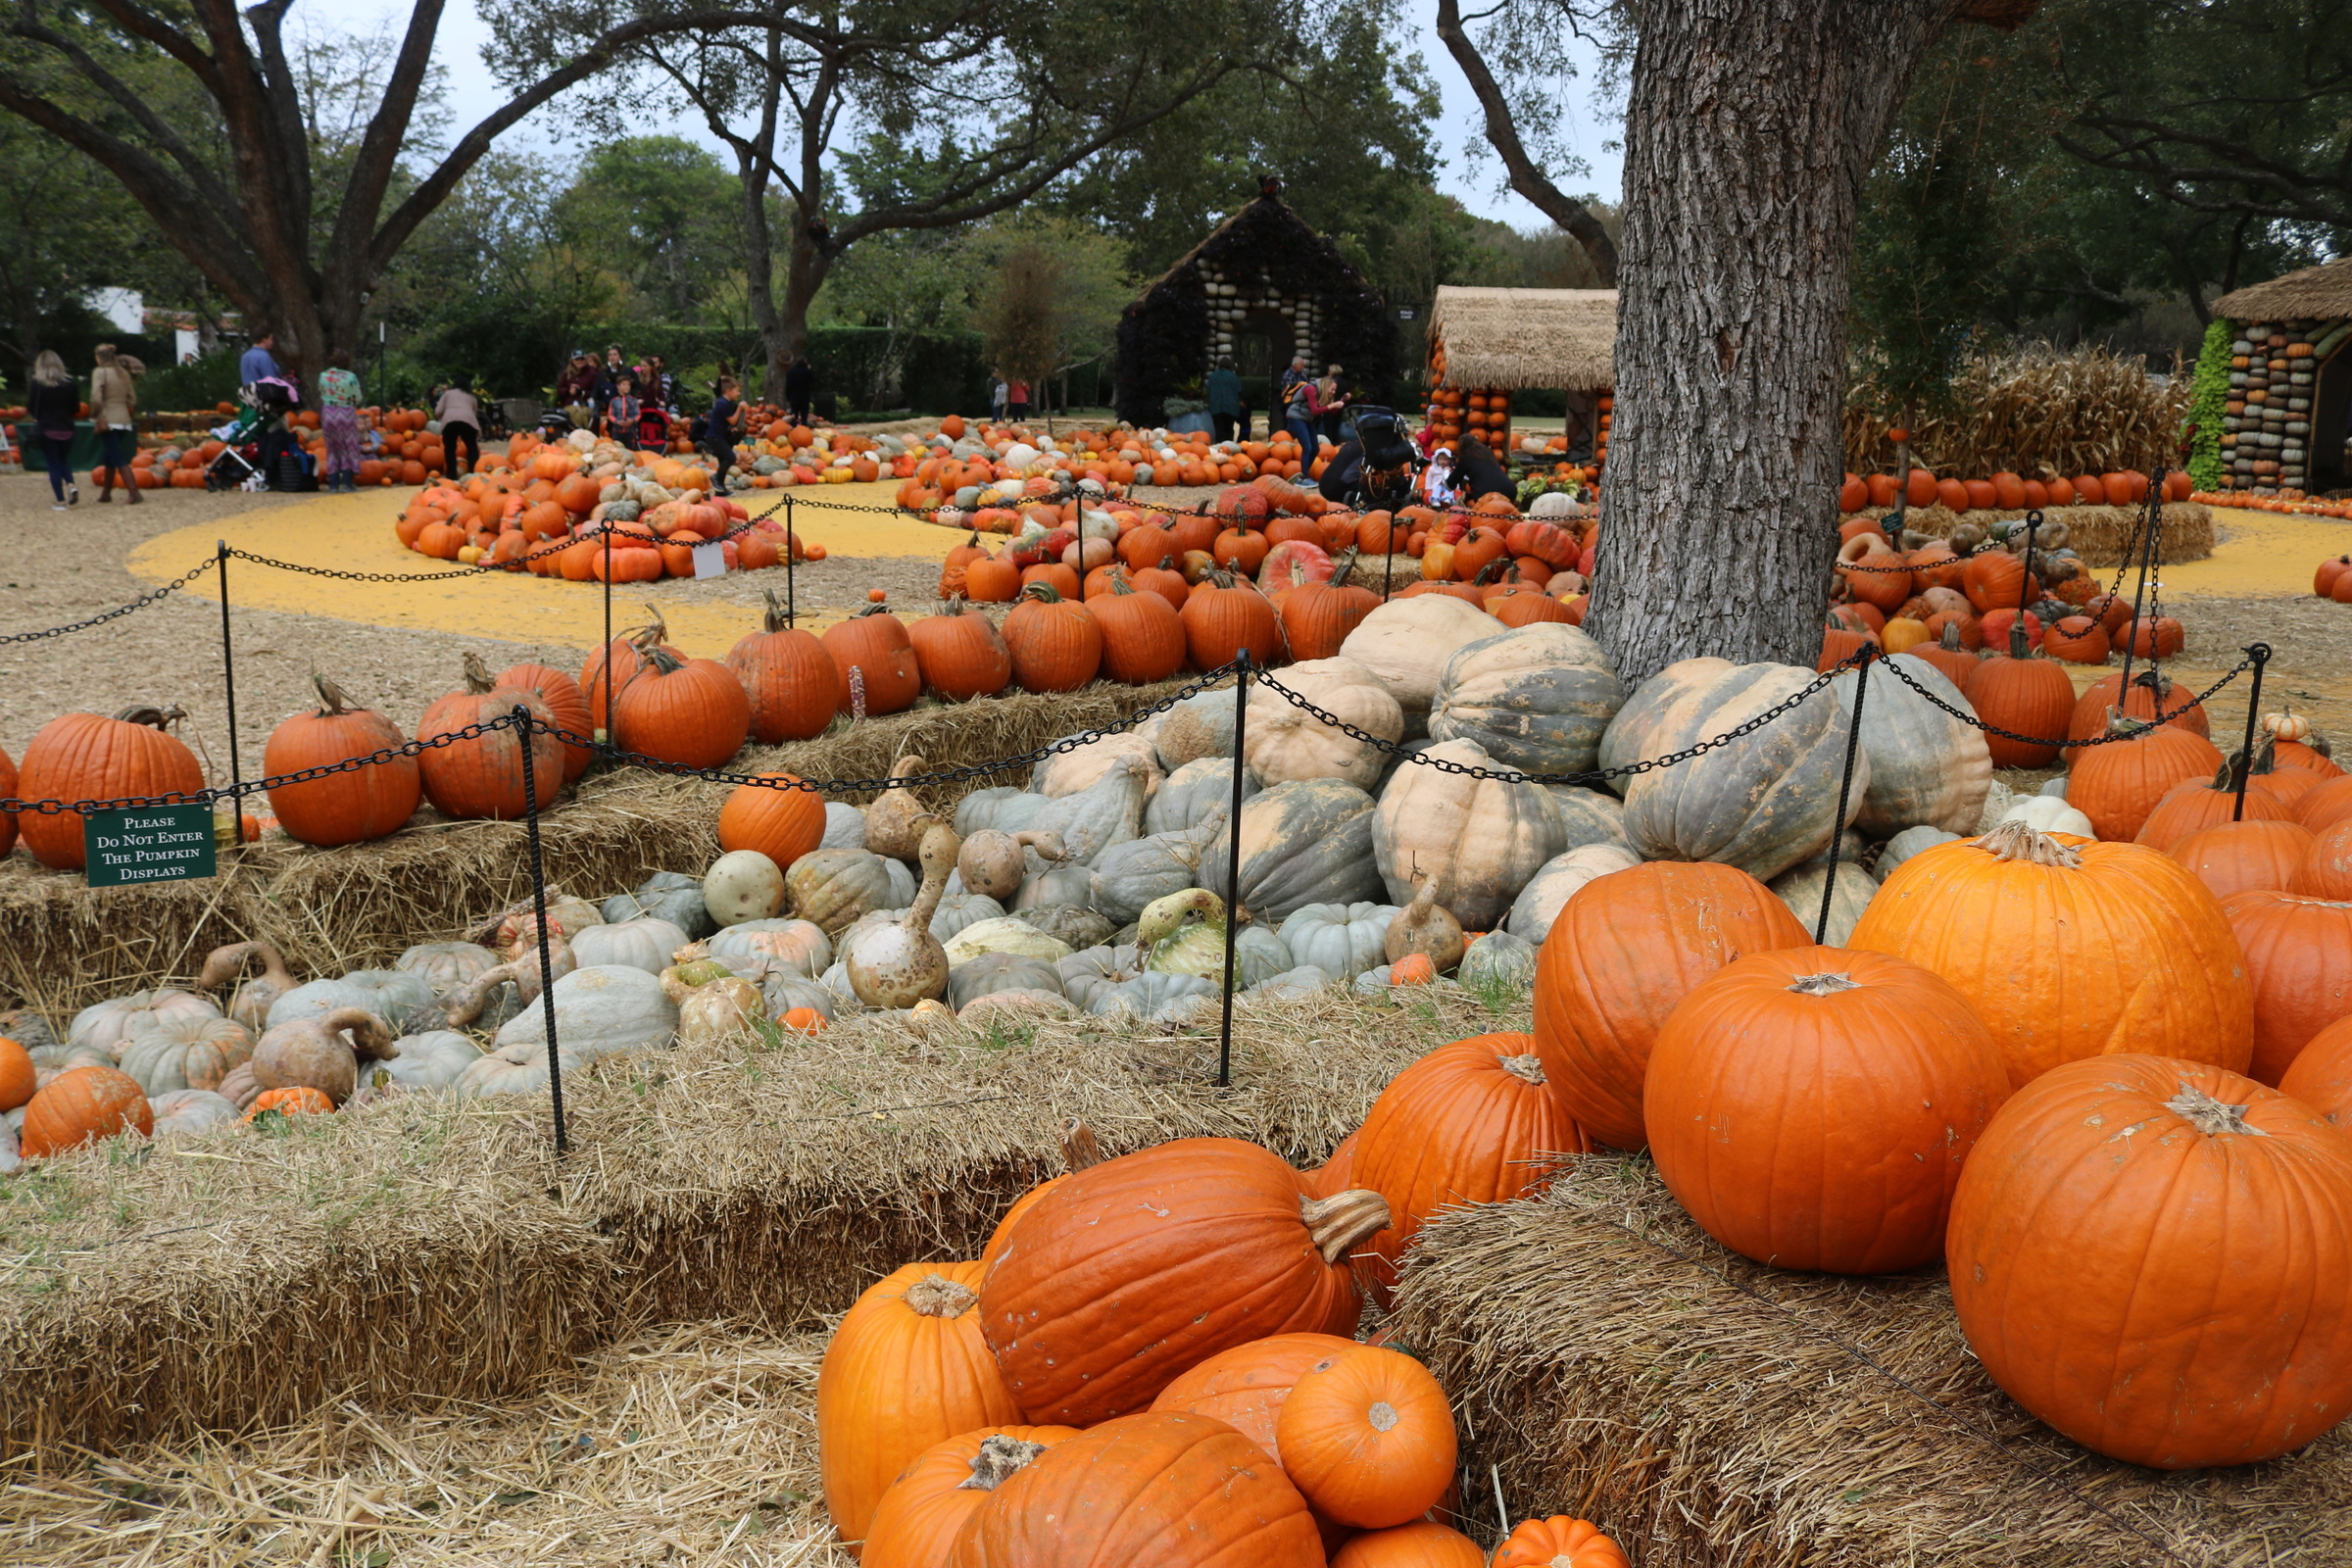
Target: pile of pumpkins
x=2005 y=491
x=2333 y=579
x=1154 y=1360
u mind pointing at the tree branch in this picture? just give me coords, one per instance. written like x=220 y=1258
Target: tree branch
x=1529 y=180
x=387 y=130
x=198 y=172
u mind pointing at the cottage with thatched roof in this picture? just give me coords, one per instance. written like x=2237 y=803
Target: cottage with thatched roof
x=2287 y=424
x=1261 y=287
x=1486 y=343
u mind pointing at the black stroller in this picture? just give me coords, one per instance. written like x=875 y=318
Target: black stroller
x=1375 y=468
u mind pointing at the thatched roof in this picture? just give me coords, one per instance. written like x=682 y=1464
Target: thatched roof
x=1528 y=337
x=2313 y=294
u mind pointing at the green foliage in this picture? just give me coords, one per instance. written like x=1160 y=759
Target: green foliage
x=2209 y=397
x=660 y=218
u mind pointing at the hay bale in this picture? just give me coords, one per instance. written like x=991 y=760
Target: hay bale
x=1614 y=1362
x=433 y=1248
x=2184 y=532
x=334 y=910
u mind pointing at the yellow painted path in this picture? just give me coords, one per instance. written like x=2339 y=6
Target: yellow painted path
x=354 y=533
x=2257 y=553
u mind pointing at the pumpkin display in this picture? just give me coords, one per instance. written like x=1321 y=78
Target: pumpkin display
x=392 y=995
x=782 y=821
x=879 y=672
x=1080 y=766
x=2158 y=1296
x=1057 y=646
x=1198 y=795
x=185 y=1052
x=919 y=1517
x=1129 y=877
x=447 y=967
x=1811 y=1106
x=2069 y=949
x=427 y=1061
x=1305 y=842
x=2027 y=695
x=1407 y=643
x=1163 y=1487
x=1318 y=616
x=1537 y=698
x=2152 y=697
x=2195 y=804
x=2322 y=1074
x=1472 y=1122
x=84 y=756
x=1559 y=1542
x=2248 y=856
x=566 y=701
x=1245 y=1387
x=792 y=684
x=794 y=947
x=80 y=1105
x=2119 y=785
x=1285 y=742
x=1222 y=617
x=1367 y=1437
x=482 y=776
x=598 y=1010
x=1624 y=952
x=1133 y=1271
x=961 y=655
x=1107 y=811
x=1762 y=802
x=1144 y=638
x=1478 y=840
x=1926 y=768
x=907 y=1369
x=350 y=807
x=2298 y=961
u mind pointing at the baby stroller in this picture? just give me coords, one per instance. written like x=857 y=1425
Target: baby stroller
x=1375 y=468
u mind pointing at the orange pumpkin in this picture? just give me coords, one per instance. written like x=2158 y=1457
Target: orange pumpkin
x=80 y=1105
x=790 y=681
x=1057 y=646
x=82 y=757
x=693 y=713
x=925 y=1508
x=2298 y=957
x=482 y=776
x=2120 y=784
x=2249 y=856
x=1367 y=1435
x=351 y=808
x=1246 y=1385
x=960 y=656
x=1422 y=1544
x=1144 y=638
x=782 y=823
x=1559 y=1542
x=879 y=672
x=298 y=1099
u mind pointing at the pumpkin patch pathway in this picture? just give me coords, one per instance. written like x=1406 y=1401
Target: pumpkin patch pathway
x=354 y=533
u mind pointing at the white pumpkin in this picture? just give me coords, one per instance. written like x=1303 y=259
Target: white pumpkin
x=800 y=946
x=1007 y=934
x=1198 y=795
x=106 y=1025
x=447 y=966
x=1904 y=845
x=1196 y=727
x=433 y=1060
x=1539 y=902
x=1343 y=940
x=598 y=1010
x=644 y=943
x=1283 y=742
x=1479 y=839
x=1067 y=772
x=1406 y=642
x=1800 y=888
x=392 y=995
x=1291 y=984
x=1107 y=811
x=2044 y=814
x=844 y=828
x=1926 y=768
x=743 y=885
x=1498 y=964
x=517 y=1069
x=179 y=1112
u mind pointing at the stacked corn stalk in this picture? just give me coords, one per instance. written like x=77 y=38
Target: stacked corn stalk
x=2039 y=414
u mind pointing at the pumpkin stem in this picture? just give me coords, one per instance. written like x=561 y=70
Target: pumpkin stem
x=478 y=675
x=1079 y=1151
x=334 y=703
x=775 y=619
x=2120 y=723
x=2209 y=1116
x=998 y=1459
x=1043 y=594
x=661 y=661
x=370 y=1036
x=1527 y=1069
x=937 y=1296
x=1823 y=985
x=152 y=717
x=879 y=606
x=1951 y=637
x=1344 y=1221
x=1382 y=1416
x=2019 y=840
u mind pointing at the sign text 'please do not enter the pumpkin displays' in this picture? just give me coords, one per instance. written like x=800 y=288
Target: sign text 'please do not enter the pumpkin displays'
x=149 y=844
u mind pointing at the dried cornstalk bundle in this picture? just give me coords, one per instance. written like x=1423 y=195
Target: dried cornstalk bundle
x=2040 y=412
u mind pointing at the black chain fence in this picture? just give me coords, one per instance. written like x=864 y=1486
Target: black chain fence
x=119 y=612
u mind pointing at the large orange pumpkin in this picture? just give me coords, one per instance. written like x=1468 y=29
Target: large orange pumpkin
x=2120 y=784
x=564 y=700
x=2027 y=695
x=2149 y=1254
x=1811 y=1106
x=1056 y=645
x=1422 y=1544
x=1245 y=1387
x=1472 y=1122
x=1559 y=1542
x=1079 y=1151
x=1143 y=636
x=1624 y=950
x=781 y=824
x=2153 y=696
x=2068 y=947
x=925 y=1510
x=879 y=674
x=1367 y=1435
x=1161 y=1488
x=482 y=776
x=2298 y=953
x=2326 y=868
x=1124 y=1275
x=793 y=685
x=1222 y=616
x=960 y=656
x=80 y=1105
x=907 y=1369
x=2249 y=856
x=350 y=807
x=2321 y=1076
x=83 y=756
x=692 y=711
x=2197 y=802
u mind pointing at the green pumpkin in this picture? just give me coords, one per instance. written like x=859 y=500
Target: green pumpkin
x=1107 y=811
x=1481 y=839
x=1627 y=738
x=1341 y=939
x=1305 y=842
x=1085 y=975
x=1926 y=768
x=1499 y=962
x=1537 y=698
x=1198 y=795
x=999 y=971
x=1128 y=876
x=1007 y=809
x=831 y=887
x=1157 y=996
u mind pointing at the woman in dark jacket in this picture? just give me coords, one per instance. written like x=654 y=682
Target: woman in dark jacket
x=51 y=408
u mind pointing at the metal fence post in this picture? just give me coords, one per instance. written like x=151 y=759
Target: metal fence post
x=1845 y=787
x=523 y=725
x=1233 y=868
x=605 y=731
x=228 y=681
x=791 y=550
x=2260 y=652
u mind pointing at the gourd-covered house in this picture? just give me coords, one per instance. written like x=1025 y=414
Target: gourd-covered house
x=2288 y=420
x=1261 y=287
x=1486 y=343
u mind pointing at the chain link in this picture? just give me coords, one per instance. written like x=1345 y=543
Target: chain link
x=2162 y=716
x=120 y=610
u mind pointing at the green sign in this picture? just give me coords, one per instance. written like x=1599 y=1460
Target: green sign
x=148 y=844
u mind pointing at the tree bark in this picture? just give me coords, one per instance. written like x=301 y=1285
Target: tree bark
x=1752 y=127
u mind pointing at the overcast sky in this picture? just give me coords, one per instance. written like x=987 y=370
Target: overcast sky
x=462 y=35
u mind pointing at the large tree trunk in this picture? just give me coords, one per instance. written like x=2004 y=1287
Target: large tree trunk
x=1752 y=127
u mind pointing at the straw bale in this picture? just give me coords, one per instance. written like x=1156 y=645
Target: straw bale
x=2099 y=534
x=64 y=946
x=436 y=1249
x=1527 y=337
x=693 y=1442
x=2315 y=293
x=1609 y=1360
